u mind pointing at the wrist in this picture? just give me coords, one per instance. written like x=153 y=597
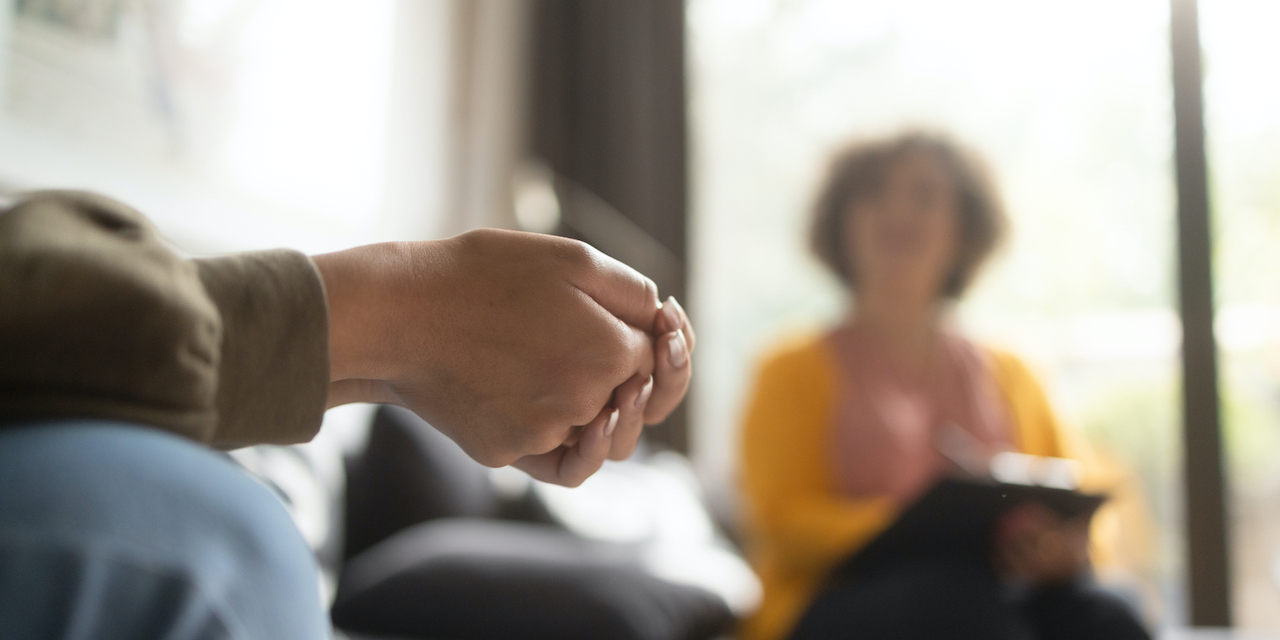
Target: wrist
x=359 y=333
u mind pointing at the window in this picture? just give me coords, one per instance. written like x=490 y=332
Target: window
x=1072 y=105
x=1242 y=123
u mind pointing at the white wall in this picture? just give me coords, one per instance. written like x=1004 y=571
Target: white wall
x=319 y=125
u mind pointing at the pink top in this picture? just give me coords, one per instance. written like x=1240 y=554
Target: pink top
x=888 y=423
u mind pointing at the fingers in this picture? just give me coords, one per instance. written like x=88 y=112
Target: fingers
x=673 y=368
x=575 y=434
x=571 y=465
x=673 y=318
x=631 y=399
x=638 y=354
x=586 y=457
x=620 y=290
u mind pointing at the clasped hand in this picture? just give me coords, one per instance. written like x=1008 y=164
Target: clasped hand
x=527 y=350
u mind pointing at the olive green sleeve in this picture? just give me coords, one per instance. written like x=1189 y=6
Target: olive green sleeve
x=274 y=376
x=100 y=319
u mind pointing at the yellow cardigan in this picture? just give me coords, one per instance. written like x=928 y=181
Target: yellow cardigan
x=798 y=526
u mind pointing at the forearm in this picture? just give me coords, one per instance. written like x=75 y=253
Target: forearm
x=364 y=319
x=365 y=308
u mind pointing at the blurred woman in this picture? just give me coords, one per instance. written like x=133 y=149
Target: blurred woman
x=841 y=431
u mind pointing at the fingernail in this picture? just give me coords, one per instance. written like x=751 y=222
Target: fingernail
x=645 y=391
x=679 y=350
x=613 y=423
x=669 y=312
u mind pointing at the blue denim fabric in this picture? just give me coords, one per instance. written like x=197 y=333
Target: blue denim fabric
x=109 y=530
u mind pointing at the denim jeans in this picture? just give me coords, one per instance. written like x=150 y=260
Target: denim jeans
x=110 y=530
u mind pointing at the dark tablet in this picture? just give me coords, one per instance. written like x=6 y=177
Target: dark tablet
x=958 y=516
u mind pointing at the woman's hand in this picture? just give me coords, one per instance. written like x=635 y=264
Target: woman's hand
x=523 y=348
x=1036 y=546
x=641 y=400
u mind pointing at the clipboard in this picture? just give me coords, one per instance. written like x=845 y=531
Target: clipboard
x=958 y=516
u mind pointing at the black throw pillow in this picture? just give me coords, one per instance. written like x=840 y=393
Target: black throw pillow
x=464 y=579
x=410 y=473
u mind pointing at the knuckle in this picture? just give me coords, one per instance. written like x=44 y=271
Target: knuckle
x=650 y=291
x=576 y=254
x=617 y=340
x=549 y=440
x=544 y=436
x=582 y=411
x=475 y=237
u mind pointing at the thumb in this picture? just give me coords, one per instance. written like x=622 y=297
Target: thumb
x=622 y=291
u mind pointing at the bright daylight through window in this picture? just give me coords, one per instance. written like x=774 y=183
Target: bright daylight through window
x=1071 y=104
x=235 y=121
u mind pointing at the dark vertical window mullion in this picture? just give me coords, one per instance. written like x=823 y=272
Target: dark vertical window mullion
x=1205 y=496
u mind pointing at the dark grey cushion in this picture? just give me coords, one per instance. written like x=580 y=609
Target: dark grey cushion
x=490 y=580
x=410 y=473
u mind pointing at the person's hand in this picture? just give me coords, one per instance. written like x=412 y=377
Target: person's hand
x=502 y=340
x=641 y=400
x=512 y=344
x=1035 y=546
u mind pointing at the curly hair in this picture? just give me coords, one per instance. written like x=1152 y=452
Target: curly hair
x=858 y=172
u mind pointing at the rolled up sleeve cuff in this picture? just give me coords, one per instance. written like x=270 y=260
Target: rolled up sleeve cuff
x=274 y=375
